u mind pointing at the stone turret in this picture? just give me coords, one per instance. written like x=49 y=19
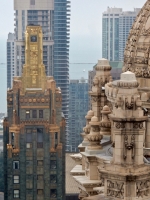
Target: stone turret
x=97 y=94
x=129 y=130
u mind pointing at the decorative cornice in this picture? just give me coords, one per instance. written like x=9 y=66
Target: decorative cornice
x=103 y=68
x=127 y=84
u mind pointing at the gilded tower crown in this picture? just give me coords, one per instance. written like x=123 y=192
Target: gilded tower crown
x=33 y=75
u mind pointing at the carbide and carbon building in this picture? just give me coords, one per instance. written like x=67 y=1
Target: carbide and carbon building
x=34 y=131
x=53 y=17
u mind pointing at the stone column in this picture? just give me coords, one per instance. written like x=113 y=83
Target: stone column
x=128 y=119
x=126 y=176
x=147 y=139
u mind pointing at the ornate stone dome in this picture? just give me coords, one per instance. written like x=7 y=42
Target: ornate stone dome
x=137 y=50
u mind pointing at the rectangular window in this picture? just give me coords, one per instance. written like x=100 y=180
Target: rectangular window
x=39 y=192
x=34 y=113
x=28 y=137
x=56 y=139
x=39 y=138
x=15 y=164
x=12 y=138
x=40 y=113
x=53 y=179
x=28 y=145
x=27 y=114
x=16 y=193
x=40 y=162
x=39 y=135
x=39 y=145
x=16 y=179
x=40 y=177
x=53 y=164
x=53 y=193
x=56 y=135
x=29 y=130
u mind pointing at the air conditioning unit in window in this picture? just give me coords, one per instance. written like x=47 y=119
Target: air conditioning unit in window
x=29 y=145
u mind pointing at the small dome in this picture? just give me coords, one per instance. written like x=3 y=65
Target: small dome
x=106 y=108
x=94 y=119
x=103 y=61
x=90 y=113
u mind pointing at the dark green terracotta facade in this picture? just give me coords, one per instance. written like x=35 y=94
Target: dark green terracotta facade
x=34 y=143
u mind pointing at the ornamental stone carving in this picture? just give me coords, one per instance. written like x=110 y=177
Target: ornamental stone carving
x=96 y=87
x=120 y=125
x=138 y=125
x=94 y=137
x=115 y=189
x=129 y=105
x=86 y=129
x=142 y=188
x=105 y=124
x=129 y=145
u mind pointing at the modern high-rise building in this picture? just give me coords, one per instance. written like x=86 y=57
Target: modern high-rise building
x=34 y=131
x=53 y=17
x=116 y=25
x=10 y=59
x=78 y=106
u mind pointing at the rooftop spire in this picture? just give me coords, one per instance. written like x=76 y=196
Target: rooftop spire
x=33 y=75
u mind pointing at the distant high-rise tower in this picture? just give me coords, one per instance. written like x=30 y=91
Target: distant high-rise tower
x=116 y=25
x=53 y=17
x=10 y=59
x=34 y=131
x=78 y=105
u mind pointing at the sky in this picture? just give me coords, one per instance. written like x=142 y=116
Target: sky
x=85 y=34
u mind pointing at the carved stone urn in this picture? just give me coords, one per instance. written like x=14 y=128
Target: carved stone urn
x=86 y=129
x=105 y=124
x=94 y=137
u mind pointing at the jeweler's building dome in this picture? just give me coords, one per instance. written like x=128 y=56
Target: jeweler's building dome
x=137 y=50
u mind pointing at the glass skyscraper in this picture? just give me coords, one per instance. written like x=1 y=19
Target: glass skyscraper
x=10 y=59
x=116 y=25
x=78 y=107
x=61 y=53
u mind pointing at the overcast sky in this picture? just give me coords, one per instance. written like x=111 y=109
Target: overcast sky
x=85 y=31
x=85 y=37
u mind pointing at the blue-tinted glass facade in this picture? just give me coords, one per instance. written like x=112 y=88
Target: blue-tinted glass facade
x=78 y=107
x=61 y=52
x=8 y=64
